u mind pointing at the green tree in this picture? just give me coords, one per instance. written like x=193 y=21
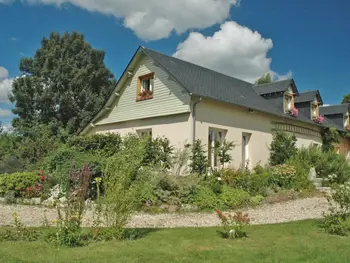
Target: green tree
x=283 y=146
x=199 y=161
x=346 y=99
x=330 y=137
x=66 y=81
x=264 y=79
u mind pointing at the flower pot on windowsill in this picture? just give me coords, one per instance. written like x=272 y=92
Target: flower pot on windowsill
x=145 y=95
x=318 y=119
x=293 y=112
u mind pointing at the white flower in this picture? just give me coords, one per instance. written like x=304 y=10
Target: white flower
x=219 y=179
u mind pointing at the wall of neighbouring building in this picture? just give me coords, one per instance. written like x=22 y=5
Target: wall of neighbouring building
x=237 y=121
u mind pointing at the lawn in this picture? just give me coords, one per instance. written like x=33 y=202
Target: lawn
x=292 y=242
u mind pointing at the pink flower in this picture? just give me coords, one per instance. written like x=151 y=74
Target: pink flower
x=319 y=119
x=294 y=112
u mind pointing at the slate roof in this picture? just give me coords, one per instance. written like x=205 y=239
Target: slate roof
x=335 y=109
x=308 y=96
x=211 y=84
x=273 y=87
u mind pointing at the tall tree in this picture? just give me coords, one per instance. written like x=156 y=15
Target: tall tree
x=264 y=79
x=346 y=99
x=65 y=82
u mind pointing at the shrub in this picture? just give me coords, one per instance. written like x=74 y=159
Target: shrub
x=101 y=144
x=206 y=198
x=330 y=137
x=179 y=161
x=233 y=225
x=199 y=162
x=337 y=221
x=158 y=152
x=283 y=176
x=122 y=174
x=61 y=162
x=282 y=147
x=325 y=163
x=256 y=200
x=233 y=198
x=254 y=183
x=18 y=182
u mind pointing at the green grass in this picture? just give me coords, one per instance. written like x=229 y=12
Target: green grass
x=292 y=242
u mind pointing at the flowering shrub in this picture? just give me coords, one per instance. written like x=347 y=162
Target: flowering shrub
x=337 y=221
x=318 y=119
x=69 y=225
x=234 y=225
x=283 y=175
x=21 y=183
x=294 y=112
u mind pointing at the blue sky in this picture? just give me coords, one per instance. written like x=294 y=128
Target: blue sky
x=308 y=40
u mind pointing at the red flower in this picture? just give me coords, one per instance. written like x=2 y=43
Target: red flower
x=41 y=172
x=42 y=178
x=38 y=187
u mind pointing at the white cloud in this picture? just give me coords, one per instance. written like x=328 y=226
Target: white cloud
x=277 y=76
x=234 y=50
x=3 y=72
x=5 y=85
x=5 y=113
x=156 y=19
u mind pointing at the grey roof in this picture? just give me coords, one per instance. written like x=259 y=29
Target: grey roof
x=335 y=109
x=274 y=87
x=308 y=96
x=331 y=124
x=211 y=84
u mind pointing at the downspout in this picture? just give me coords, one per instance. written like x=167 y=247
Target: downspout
x=194 y=119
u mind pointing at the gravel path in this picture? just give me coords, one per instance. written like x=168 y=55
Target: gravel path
x=309 y=208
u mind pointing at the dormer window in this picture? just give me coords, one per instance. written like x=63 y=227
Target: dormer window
x=145 y=85
x=347 y=121
x=288 y=100
x=314 y=110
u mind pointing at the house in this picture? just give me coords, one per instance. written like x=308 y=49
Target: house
x=338 y=116
x=165 y=96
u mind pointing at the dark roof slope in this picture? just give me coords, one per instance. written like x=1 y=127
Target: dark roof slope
x=335 y=109
x=273 y=87
x=211 y=84
x=308 y=96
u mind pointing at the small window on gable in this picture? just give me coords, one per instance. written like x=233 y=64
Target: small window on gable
x=145 y=85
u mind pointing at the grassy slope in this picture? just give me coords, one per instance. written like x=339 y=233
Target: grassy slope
x=292 y=242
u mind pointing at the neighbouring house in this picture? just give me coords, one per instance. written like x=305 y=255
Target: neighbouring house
x=339 y=117
x=161 y=95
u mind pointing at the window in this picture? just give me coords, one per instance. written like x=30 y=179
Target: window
x=346 y=120
x=215 y=140
x=288 y=102
x=314 y=110
x=245 y=149
x=145 y=87
x=144 y=132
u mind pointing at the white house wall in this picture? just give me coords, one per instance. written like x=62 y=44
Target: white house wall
x=236 y=121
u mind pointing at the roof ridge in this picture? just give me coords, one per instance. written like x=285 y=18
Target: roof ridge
x=190 y=63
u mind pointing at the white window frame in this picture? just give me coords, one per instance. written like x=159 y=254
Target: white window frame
x=245 y=149
x=214 y=135
x=150 y=84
